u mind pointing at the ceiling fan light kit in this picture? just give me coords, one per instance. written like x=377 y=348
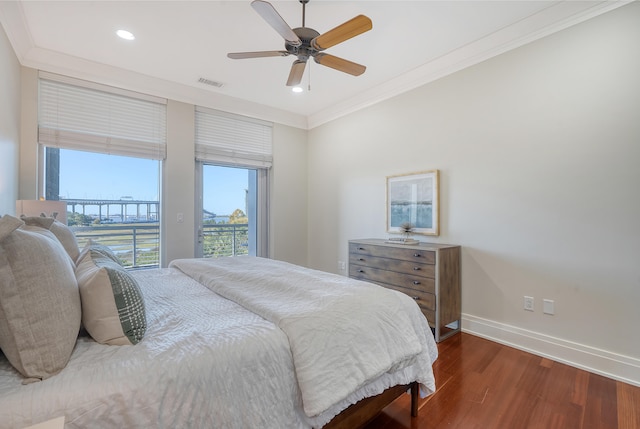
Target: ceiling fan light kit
x=304 y=42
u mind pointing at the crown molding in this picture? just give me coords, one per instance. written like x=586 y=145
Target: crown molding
x=80 y=68
x=560 y=15
x=29 y=55
x=12 y=20
x=557 y=17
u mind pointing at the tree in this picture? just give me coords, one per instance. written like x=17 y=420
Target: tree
x=78 y=219
x=238 y=216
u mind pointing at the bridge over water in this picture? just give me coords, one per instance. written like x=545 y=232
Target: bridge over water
x=124 y=208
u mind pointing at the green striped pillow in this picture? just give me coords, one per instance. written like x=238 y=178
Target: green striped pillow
x=112 y=305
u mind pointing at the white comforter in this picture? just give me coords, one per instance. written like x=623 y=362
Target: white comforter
x=205 y=362
x=343 y=333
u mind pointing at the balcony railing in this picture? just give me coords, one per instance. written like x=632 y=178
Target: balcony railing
x=226 y=239
x=137 y=245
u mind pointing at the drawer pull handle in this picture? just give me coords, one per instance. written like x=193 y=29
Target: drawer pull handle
x=416 y=282
x=416 y=268
x=416 y=298
x=360 y=259
x=416 y=255
x=361 y=271
x=361 y=248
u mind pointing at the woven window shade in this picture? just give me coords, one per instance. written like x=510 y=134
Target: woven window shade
x=84 y=116
x=232 y=139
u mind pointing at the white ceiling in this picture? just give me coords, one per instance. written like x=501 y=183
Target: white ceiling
x=178 y=42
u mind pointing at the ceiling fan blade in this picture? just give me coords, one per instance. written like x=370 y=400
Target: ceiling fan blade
x=339 y=64
x=297 y=70
x=259 y=54
x=273 y=18
x=342 y=32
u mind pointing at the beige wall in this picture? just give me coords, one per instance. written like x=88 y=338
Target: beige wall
x=29 y=174
x=9 y=125
x=178 y=181
x=288 y=203
x=538 y=151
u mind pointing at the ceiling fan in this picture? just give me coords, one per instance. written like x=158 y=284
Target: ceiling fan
x=304 y=42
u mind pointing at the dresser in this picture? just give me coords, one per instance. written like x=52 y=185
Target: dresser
x=427 y=272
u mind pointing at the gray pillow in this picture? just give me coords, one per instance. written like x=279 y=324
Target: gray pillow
x=62 y=232
x=98 y=250
x=39 y=300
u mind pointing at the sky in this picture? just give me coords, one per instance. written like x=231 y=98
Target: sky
x=86 y=175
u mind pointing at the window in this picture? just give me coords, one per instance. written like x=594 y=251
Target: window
x=233 y=156
x=227 y=211
x=111 y=199
x=102 y=148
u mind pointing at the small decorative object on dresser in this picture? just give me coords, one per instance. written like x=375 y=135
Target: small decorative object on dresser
x=428 y=272
x=406 y=229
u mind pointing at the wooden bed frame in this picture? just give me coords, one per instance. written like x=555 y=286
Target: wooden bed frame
x=360 y=413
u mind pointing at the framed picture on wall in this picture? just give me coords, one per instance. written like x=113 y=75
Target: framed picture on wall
x=414 y=198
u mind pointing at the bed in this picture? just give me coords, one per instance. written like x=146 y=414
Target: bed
x=232 y=343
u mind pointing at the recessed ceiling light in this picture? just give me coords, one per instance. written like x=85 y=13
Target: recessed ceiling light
x=297 y=89
x=126 y=35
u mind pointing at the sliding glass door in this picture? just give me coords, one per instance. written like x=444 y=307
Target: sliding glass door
x=232 y=211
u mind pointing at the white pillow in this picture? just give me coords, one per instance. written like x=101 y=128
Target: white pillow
x=112 y=306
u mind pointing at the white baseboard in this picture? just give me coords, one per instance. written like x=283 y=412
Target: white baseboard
x=608 y=364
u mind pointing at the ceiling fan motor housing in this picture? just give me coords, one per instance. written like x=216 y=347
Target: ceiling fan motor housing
x=304 y=50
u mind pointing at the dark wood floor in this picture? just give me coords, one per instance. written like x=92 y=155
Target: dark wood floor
x=482 y=384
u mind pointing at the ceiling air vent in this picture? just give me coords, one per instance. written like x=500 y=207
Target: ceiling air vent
x=210 y=82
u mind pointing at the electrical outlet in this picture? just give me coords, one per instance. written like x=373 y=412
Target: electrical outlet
x=342 y=265
x=528 y=303
x=548 y=306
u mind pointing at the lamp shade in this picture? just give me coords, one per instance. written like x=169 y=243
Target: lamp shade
x=56 y=209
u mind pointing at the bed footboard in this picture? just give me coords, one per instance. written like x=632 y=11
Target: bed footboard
x=365 y=410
